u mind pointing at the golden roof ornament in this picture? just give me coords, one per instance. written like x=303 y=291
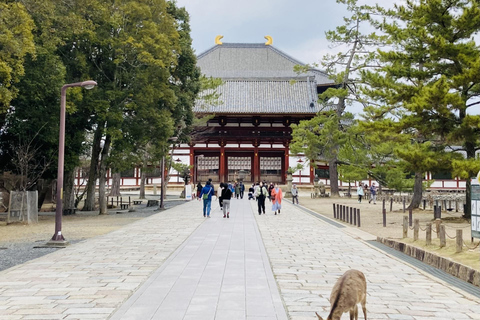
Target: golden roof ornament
x=217 y=40
x=269 y=41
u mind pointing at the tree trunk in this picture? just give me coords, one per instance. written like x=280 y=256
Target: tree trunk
x=102 y=200
x=143 y=176
x=69 y=192
x=332 y=169
x=115 y=192
x=44 y=187
x=93 y=173
x=470 y=149
x=417 y=191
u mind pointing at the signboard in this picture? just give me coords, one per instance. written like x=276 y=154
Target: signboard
x=188 y=192
x=475 y=188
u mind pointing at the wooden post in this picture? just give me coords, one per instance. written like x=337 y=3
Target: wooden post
x=410 y=216
x=383 y=205
x=439 y=212
x=334 y=211
x=424 y=203
x=121 y=201
x=403 y=204
x=438 y=222
x=459 y=241
x=129 y=203
x=358 y=217
x=429 y=234
x=416 y=227
x=117 y=201
x=384 y=218
x=346 y=213
x=405 y=226
x=443 y=241
x=391 y=204
x=355 y=216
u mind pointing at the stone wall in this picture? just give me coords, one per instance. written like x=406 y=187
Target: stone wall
x=454 y=268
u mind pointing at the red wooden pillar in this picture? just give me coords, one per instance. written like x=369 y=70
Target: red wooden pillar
x=287 y=163
x=222 y=163
x=256 y=165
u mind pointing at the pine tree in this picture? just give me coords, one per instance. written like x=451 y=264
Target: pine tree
x=430 y=80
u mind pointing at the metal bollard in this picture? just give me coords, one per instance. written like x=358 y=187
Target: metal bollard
x=358 y=217
x=410 y=216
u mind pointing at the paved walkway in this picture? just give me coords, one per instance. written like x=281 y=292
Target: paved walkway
x=179 y=265
x=221 y=272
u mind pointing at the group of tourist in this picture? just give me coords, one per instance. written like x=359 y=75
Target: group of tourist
x=225 y=192
x=363 y=190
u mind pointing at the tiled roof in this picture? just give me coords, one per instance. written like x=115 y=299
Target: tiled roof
x=252 y=60
x=264 y=95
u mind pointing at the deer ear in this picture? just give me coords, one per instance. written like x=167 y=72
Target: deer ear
x=318 y=316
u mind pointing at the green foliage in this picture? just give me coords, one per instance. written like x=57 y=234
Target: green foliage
x=16 y=42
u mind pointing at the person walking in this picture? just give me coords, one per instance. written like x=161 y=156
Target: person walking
x=276 y=197
x=270 y=188
x=219 y=194
x=242 y=189
x=237 y=190
x=199 y=189
x=360 y=193
x=206 y=196
x=373 y=193
x=261 y=194
x=226 y=196
x=294 y=192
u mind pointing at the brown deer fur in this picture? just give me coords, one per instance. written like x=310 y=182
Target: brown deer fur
x=349 y=290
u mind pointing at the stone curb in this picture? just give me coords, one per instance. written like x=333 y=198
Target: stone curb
x=456 y=269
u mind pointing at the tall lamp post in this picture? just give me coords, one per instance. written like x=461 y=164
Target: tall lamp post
x=58 y=238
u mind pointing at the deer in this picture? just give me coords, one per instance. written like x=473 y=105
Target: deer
x=349 y=290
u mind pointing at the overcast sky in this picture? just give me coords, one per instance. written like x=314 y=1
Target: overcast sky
x=297 y=27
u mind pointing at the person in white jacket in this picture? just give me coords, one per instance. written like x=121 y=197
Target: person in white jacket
x=360 y=193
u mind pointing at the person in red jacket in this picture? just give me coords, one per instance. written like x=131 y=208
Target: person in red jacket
x=276 y=197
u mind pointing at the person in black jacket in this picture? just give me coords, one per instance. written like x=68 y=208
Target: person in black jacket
x=261 y=194
x=226 y=196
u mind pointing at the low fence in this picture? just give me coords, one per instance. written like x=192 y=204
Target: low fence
x=439 y=229
x=347 y=214
x=449 y=202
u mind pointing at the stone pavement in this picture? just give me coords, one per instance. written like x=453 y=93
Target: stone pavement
x=221 y=272
x=178 y=265
x=308 y=255
x=90 y=279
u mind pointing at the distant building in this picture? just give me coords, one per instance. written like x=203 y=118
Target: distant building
x=261 y=96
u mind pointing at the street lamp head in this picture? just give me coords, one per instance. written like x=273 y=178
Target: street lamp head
x=89 y=84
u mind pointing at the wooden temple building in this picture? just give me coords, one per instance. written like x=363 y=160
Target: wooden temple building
x=260 y=97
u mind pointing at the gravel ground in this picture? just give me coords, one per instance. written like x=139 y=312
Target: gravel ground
x=20 y=243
